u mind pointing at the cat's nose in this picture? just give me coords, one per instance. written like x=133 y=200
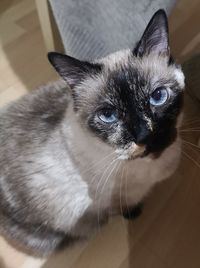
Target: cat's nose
x=143 y=135
x=136 y=150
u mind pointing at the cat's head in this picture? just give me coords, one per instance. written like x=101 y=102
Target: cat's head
x=130 y=99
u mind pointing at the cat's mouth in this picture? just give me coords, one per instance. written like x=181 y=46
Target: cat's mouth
x=131 y=151
x=153 y=150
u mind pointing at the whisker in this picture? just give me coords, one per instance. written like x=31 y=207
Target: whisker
x=96 y=196
x=191 y=121
x=194 y=161
x=97 y=163
x=108 y=178
x=99 y=183
x=126 y=199
x=93 y=181
x=113 y=161
x=120 y=195
x=120 y=191
x=189 y=130
x=189 y=143
x=117 y=170
x=98 y=214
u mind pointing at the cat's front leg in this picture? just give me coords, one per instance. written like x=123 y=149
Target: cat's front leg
x=131 y=213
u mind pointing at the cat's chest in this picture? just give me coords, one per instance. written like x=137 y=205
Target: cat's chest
x=95 y=180
x=118 y=181
x=130 y=180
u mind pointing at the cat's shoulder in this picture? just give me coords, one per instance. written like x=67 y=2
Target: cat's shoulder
x=38 y=111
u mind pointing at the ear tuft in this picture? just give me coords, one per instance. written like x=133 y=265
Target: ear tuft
x=73 y=71
x=155 y=38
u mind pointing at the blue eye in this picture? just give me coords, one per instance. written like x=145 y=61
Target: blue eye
x=108 y=116
x=159 y=96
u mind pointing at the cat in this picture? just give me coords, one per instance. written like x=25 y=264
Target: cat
x=71 y=156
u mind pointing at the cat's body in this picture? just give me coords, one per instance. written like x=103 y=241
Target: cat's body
x=56 y=169
x=59 y=180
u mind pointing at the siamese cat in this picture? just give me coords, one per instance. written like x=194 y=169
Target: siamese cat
x=71 y=156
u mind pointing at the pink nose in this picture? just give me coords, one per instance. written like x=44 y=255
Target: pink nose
x=138 y=149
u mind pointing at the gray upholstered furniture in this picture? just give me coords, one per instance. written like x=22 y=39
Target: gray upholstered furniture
x=95 y=28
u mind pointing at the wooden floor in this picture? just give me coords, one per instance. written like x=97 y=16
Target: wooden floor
x=167 y=235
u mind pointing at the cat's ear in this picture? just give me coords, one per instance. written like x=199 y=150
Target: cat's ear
x=156 y=37
x=73 y=71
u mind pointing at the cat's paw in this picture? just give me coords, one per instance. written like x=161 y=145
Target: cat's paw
x=134 y=212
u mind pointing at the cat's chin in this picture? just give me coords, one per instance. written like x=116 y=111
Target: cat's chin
x=144 y=157
x=131 y=152
x=129 y=158
x=142 y=153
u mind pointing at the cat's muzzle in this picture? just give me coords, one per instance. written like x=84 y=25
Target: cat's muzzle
x=131 y=151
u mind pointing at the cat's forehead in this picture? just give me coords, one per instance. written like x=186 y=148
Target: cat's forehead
x=114 y=60
x=151 y=69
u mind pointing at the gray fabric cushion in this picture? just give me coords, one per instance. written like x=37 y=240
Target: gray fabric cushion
x=94 y=28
